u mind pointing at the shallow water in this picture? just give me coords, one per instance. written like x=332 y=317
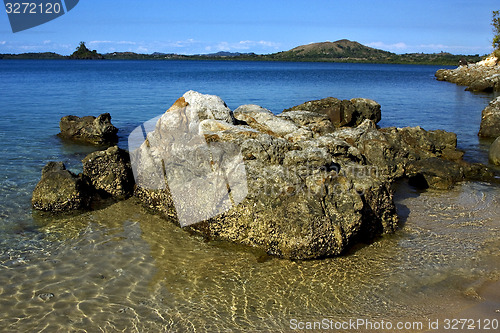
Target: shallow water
x=124 y=269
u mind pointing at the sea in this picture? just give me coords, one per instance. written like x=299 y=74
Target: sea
x=121 y=268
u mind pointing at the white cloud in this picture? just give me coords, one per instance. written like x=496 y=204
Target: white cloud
x=121 y=42
x=244 y=45
x=142 y=49
x=389 y=47
x=402 y=47
x=180 y=43
x=186 y=46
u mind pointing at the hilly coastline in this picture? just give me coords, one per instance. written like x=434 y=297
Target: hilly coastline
x=339 y=51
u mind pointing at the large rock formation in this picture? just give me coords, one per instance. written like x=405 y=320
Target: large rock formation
x=110 y=172
x=490 y=120
x=343 y=112
x=89 y=129
x=290 y=184
x=61 y=190
x=482 y=76
x=495 y=152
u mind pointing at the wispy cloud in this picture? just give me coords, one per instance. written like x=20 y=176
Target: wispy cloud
x=244 y=45
x=183 y=43
x=186 y=46
x=402 y=47
x=120 y=42
x=384 y=46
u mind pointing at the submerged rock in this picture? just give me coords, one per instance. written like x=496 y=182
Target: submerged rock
x=290 y=184
x=495 y=152
x=343 y=112
x=490 y=120
x=61 y=190
x=110 y=172
x=482 y=76
x=89 y=129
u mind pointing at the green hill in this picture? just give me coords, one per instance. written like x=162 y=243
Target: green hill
x=328 y=51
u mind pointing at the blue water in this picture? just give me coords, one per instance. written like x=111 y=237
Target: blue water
x=34 y=95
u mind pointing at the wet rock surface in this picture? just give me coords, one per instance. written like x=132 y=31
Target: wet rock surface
x=490 y=120
x=494 y=154
x=110 y=173
x=60 y=190
x=89 y=129
x=106 y=174
x=342 y=112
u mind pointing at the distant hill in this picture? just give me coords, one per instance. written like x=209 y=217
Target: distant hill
x=327 y=51
x=224 y=54
x=82 y=52
x=32 y=55
x=142 y=56
x=340 y=51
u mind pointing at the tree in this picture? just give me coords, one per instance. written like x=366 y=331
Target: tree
x=496 y=29
x=82 y=47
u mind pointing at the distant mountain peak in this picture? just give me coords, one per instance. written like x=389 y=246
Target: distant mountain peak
x=340 y=49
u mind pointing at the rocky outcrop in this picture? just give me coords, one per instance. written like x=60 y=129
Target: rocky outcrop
x=494 y=154
x=490 y=120
x=343 y=112
x=89 y=129
x=290 y=184
x=61 y=190
x=110 y=173
x=483 y=76
x=106 y=174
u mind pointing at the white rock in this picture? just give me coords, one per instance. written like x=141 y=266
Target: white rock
x=252 y=114
x=209 y=106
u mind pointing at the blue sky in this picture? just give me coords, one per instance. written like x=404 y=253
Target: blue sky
x=204 y=26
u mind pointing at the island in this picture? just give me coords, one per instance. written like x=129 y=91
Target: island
x=342 y=50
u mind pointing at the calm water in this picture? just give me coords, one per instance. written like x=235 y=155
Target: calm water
x=123 y=269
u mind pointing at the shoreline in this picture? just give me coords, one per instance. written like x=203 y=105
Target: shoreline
x=222 y=59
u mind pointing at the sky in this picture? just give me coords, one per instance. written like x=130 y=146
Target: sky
x=207 y=26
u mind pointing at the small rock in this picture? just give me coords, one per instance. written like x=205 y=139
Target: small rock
x=61 y=190
x=45 y=296
x=110 y=172
x=264 y=120
x=342 y=112
x=89 y=129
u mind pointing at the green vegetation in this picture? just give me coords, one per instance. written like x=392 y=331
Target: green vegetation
x=82 y=52
x=44 y=55
x=339 y=51
x=496 y=29
x=495 y=22
x=354 y=52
